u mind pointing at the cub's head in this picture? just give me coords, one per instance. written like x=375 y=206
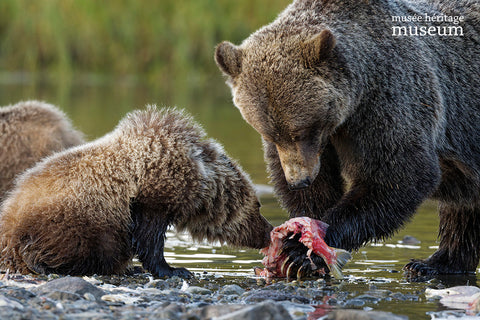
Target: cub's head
x=287 y=88
x=229 y=210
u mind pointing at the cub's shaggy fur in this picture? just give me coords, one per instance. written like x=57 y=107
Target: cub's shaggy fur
x=91 y=208
x=29 y=131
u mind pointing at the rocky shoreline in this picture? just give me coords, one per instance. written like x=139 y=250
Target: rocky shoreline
x=142 y=297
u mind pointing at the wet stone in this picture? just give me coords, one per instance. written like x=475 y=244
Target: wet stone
x=398 y=296
x=363 y=315
x=10 y=303
x=21 y=294
x=411 y=297
x=215 y=311
x=88 y=296
x=126 y=281
x=379 y=293
x=63 y=295
x=83 y=305
x=155 y=306
x=410 y=240
x=171 y=311
x=263 y=311
x=297 y=309
x=93 y=315
x=232 y=289
x=26 y=314
x=262 y=295
x=368 y=298
x=158 y=284
x=198 y=290
x=176 y=295
x=72 y=285
x=355 y=303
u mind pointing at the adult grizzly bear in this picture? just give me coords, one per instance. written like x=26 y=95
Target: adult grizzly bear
x=89 y=209
x=334 y=95
x=29 y=131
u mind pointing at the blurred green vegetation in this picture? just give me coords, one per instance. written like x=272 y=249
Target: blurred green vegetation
x=156 y=38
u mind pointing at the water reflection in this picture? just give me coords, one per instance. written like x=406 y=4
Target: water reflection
x=384 y=259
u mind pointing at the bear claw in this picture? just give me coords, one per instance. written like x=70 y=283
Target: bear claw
x=420 y=268
x=297 y=257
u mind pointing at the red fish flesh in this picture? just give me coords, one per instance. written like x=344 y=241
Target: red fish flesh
x=312 y=234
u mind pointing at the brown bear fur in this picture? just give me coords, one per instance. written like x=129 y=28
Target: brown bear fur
x=360 y=126
x=29 y=131
x=89 y=209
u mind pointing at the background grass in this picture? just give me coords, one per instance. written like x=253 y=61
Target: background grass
x=156 y=39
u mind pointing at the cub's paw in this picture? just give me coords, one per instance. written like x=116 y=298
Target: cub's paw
x=182 y=273
x=297 y=264
x=171 y=272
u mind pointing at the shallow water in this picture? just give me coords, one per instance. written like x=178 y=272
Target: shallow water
x=375 y=267
x=96 y=106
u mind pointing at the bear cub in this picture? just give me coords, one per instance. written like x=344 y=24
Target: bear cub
x=29 y=131
x=90 y=209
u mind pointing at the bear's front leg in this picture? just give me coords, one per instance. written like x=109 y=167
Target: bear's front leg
x=459 y=248
x=325 y=191
x=372 y=211
x=375 y=206
x=148 y=239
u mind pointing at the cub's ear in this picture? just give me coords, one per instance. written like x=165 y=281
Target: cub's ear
x=228 y=58
x=318 y=48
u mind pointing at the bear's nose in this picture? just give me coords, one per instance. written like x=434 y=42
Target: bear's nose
x=302 y=184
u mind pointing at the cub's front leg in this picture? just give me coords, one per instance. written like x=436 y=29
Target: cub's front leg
x=148 y=240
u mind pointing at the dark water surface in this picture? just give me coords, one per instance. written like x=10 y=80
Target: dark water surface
x=95 y=105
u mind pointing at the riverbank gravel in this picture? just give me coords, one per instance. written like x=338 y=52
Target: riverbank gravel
x=207 y=296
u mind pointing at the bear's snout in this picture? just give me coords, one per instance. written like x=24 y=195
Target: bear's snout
x=300 y=165
x=302 y=184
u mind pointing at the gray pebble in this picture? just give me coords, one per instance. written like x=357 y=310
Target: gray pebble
x=215 y=311
x=368 y=298
x=232 y=289
x=91 y=315
x=267 y=310
x=410 y=240
x=10 y=303
x=88 y=296
x=262 y=295
x=354 y=303
x=73 y=285
x=171 y=311
x=363 y=315
x=63 y=295
x=198 y=290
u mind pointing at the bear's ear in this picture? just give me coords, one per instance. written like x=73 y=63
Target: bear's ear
x=318 y=48
x=228 y=58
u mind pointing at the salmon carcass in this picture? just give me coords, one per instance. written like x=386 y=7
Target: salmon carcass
x=312 y=233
